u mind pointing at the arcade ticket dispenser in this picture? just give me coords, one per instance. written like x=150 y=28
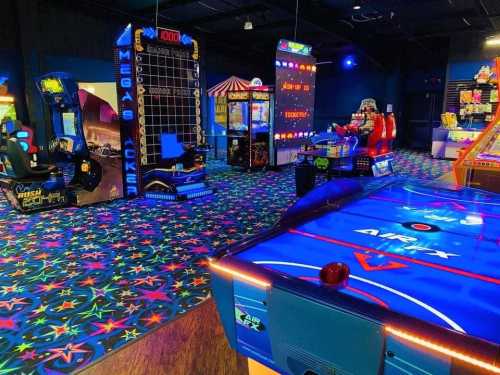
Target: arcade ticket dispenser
x=249 y=127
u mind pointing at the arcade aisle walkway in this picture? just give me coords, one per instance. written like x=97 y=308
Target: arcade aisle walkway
x=78 y=283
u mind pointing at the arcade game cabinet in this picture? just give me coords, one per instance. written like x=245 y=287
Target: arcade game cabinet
x=249 y=127
x=375 y=134
x=479 y=165
x=157 y=74
x=69 y=147
x=27 y=185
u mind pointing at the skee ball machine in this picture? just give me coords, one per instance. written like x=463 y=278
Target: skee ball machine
x=157 y=72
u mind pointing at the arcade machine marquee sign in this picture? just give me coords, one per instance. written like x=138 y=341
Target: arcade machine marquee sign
x=157 y=74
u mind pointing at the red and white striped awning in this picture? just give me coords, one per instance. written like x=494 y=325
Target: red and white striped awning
x=231 y=84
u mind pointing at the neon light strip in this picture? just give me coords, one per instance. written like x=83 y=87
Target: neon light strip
x=6 y=99
x=442 y=349
x=456 y=271
x=242 y=276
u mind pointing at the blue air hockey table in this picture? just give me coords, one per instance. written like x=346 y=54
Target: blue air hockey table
x=423 y=292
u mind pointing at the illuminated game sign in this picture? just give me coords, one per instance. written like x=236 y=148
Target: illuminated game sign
x=157 y=73
x=127 y=109
x=295 y=90
x=256 y=82
x=169 y=36
x=294 y=47
x=238 y=95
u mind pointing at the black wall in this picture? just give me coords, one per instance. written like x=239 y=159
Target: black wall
x=40 y=36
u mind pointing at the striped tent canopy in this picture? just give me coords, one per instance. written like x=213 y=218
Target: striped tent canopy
x=231 y=84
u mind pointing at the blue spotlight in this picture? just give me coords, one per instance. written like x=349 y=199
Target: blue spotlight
x=349 y=62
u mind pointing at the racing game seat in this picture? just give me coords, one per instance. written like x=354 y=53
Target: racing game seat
x=26 y=184
x=16 y=149
x=21 y=165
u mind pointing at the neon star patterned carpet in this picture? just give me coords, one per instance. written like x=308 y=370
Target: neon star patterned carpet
x=77 y=283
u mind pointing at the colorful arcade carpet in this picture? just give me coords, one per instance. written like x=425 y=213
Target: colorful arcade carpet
x=77 y=283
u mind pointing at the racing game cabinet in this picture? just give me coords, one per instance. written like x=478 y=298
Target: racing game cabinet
x=27 y=185
x=60 y=93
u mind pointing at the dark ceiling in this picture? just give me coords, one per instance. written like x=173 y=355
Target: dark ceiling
x=331 y=26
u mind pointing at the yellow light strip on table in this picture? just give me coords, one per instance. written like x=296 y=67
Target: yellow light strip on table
x=6 y=99
x=239 y=275
x=442 y=349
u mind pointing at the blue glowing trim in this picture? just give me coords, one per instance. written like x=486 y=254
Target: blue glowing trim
x=185 y=188
x=355 y=145
x=125 y=39
x=24 y=146
x=278 y=63
x=199 y=194
x=22 y=134
x=150 y=32
x=186 y=40
x=163 y=196
x=3 y=79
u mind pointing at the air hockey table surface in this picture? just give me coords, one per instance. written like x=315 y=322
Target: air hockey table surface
x=421 y=255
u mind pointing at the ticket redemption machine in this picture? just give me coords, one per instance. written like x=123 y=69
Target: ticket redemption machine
x=250 y=115
x=68 y=146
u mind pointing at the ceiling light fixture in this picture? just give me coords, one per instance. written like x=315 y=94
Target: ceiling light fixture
x=248 y=25
x=356 y=5
x=493 y=41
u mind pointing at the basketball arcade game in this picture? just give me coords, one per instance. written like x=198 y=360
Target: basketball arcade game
x=250 y=122
x=158 y=87
x=479 y=165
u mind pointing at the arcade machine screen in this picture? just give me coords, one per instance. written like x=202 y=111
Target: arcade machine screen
x=260 y=117
x=52 y=86
x=7 y=111
x=69 y=121
x=238 y=116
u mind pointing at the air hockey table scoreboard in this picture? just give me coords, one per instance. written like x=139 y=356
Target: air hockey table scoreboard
x=422 y=295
